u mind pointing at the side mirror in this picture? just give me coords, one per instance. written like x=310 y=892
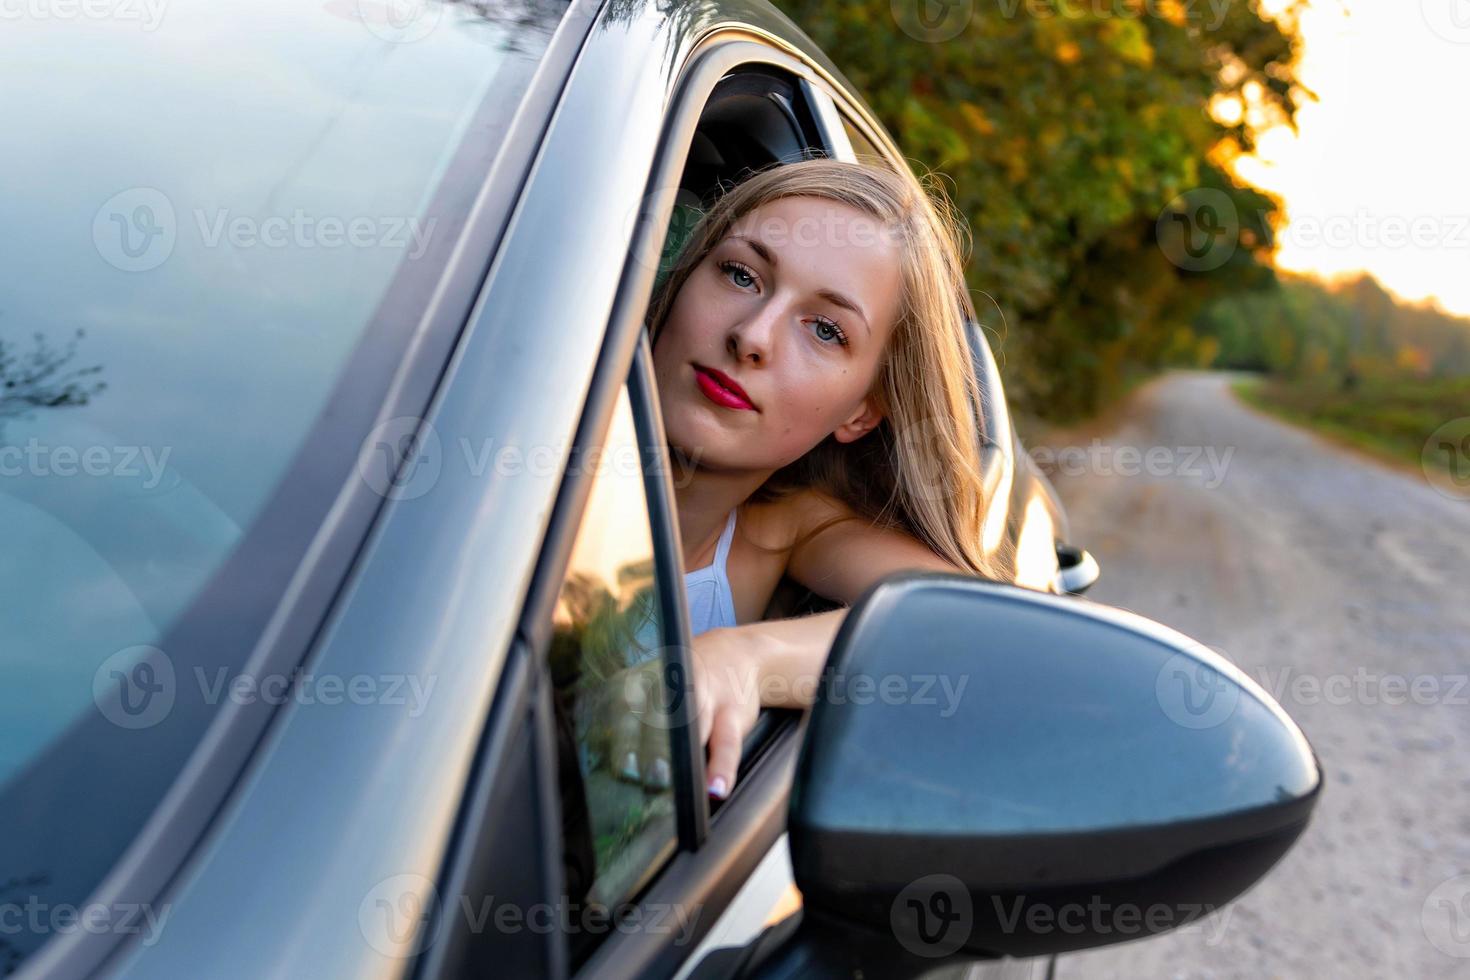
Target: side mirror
x=990 y=771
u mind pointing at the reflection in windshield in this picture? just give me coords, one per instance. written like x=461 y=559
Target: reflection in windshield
x=205 y=206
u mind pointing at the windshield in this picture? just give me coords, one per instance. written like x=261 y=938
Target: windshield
x=205 y=205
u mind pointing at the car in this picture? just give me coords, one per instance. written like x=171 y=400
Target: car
x=337 y=445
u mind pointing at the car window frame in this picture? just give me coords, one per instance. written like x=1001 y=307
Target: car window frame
x=716 y=853
x=712 y=859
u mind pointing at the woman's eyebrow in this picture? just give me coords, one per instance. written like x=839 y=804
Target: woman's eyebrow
x=830 y=295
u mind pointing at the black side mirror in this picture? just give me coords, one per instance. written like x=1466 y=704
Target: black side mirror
x=990 y=771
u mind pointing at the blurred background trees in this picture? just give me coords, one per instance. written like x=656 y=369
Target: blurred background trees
x=1089 y=143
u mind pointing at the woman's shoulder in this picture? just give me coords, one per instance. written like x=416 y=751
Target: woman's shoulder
x=782 y=522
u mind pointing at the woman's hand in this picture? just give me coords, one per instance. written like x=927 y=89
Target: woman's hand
x=727 y=697
x=733 y=672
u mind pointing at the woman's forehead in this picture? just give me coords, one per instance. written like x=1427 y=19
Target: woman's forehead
x=810 y=221
x=830 y=247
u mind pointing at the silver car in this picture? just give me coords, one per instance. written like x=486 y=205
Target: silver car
x=331 y=459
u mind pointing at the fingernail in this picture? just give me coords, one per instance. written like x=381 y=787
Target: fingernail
x=718 y=789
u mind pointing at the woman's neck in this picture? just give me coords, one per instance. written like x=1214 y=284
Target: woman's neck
x=704 y=499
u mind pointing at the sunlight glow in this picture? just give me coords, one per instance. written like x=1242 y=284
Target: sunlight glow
x=1377 y=179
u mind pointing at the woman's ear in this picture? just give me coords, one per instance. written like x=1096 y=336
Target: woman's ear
x=869 y=413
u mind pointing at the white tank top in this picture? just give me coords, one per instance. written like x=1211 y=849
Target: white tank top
x=711 y=603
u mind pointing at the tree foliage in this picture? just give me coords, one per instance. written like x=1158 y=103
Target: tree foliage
x=1067 y=127
x=1336 y=334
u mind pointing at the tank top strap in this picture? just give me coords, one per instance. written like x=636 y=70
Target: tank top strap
x=722 y=550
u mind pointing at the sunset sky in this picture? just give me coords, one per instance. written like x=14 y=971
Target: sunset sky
x=1379 y=177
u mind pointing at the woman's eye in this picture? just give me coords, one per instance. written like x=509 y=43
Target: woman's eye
x=736 y=272
x=829 y=332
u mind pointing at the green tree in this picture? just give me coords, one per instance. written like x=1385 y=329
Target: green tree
x=1068 y=127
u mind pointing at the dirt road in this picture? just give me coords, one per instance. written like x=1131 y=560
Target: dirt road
x=1344 y=589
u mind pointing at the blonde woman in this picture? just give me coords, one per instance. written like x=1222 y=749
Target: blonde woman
x=814 y=378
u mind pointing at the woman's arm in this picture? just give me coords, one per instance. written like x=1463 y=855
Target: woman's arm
x=777 y=663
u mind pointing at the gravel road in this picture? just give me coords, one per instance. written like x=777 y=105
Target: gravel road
x=1343 y=587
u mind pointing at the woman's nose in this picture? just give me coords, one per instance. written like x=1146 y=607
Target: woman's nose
x=754 y=339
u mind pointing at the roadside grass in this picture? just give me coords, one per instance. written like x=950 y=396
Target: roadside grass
x=1390 y=420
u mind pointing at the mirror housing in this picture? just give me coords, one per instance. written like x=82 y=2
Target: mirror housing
x=989 y=771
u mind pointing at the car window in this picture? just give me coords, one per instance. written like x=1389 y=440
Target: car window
x=607 y=662
x=862 y=147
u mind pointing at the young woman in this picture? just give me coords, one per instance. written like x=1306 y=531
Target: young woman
x=816 y=387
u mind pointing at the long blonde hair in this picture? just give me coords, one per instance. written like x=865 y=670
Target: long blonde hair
x=919 y=470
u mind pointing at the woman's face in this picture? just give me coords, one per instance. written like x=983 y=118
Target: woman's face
x=775 y=339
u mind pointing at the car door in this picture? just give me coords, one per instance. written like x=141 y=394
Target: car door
x=671 y=879
x=636 y=874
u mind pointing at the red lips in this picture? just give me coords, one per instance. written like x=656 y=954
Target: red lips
x=721 y=389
